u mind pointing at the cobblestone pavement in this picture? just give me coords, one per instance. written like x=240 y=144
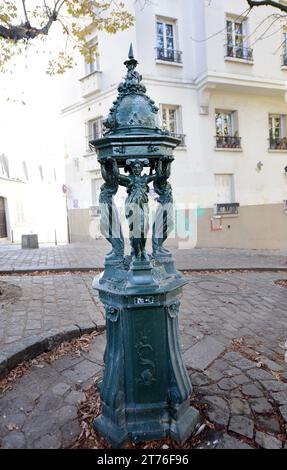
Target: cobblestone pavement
x=230 y=325
x=91 y=255
x=48 y=302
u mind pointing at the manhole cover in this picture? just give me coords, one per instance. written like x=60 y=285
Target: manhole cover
x=219 y=287
x=281 y=282
x=9 y=293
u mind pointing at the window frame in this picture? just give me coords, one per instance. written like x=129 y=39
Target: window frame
x=238 y=51
x=94 y=66
x=91 y=135
x=178 y=120
x=163 y=52
x=277 y=142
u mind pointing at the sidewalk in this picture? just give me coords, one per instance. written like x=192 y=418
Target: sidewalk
x=91 y=256
x=233 y=333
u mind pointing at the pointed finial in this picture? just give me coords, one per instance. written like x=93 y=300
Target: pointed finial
x=131 y=62
x=131 y=52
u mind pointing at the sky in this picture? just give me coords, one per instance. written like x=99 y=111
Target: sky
x=30 y=100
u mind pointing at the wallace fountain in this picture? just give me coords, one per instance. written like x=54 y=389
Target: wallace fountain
x=145 y=391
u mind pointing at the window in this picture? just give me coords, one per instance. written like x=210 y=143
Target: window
x=277 y=132
x=94 y=130
x=92 y=61
x=171 y=121
x=227 y=135
x=235 y=46
x=165 y=42
x=225 y=194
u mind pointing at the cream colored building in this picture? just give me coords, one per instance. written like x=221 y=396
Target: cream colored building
x=31 y=201
x=219 y=76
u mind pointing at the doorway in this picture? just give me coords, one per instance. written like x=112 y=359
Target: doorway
x=3 y=225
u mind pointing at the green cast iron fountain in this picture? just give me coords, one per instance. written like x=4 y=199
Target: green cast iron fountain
x=146 y=389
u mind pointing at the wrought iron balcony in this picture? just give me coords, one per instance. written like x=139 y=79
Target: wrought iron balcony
x=168 y=55
x=227 y=208
x=179 y=136
x=239 y=52
x=284 y=59
x=277 y=143
x=228 y=142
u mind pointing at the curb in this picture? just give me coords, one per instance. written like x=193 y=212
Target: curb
x=30 y=347
x=55 y=270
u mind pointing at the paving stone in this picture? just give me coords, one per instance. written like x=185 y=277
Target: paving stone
x=274 y=386
x=280 y=397
x=268 y=442
x=82 y=371
x=214 y=374
x=268 y=424
x=65 y=414
x=202 y=354
x=283 y=411
x=48 y=403
x=245 y=364
x=252 y=391
x=229 y=442
x=61 y=388
x=11 y=421
x=14 y=440
x=260 y=374
x=227 y=384
x=239 y=407
x=241 y=425
x=39 y=425
x=197 y=378
x=67 y=362
x=260 y=405
x=49 y=441
x=272 y=365
x=216 y=402
x=218 y=416
x=70 y=432
x=241 y=379
x=232 y=372
x=74 y=398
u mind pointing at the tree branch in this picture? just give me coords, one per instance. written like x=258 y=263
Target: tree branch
x=25 y=13
x=25 y=30
x=271 y=3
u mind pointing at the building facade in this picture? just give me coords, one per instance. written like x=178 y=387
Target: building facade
x=31 y=201
x=219 y=75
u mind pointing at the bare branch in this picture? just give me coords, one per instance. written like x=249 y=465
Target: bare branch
x=271 y=3
x=25 y=13
x=26 y=31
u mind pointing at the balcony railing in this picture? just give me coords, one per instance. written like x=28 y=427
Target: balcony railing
x=227 y=142
x=276 y=143
x=227 y=208
x=179 y=136
x=239 y=52
x=168 y=55
x=284 y=59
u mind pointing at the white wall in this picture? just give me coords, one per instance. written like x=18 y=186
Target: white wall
x=194 y=166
